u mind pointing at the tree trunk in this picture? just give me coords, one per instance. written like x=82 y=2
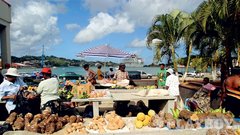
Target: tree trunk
x=227 y=64
x=188 y=61
x=174 y=60
x=214 y=70
x=238 y=56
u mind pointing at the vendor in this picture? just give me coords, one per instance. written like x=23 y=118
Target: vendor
x=231 y=93
x=90 y=74
x=121 y=107
x=201 y=99
x=162 y=76
x=121 y=74
x=48 y=90
x=110 y=73
x=99 y=73
x=10 y=87
x=172 y=85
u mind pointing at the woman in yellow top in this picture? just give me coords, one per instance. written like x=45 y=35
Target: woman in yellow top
x=99 y=73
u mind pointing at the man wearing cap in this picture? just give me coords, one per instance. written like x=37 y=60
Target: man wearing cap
x=172 y=84
x=48 y=90
x=9 y=88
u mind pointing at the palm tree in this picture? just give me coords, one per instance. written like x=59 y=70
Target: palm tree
x=166 y=28
x=223 y=17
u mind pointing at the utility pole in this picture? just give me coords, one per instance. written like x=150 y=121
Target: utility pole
x=42 y=62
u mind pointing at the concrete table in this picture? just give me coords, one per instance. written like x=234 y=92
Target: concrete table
x=95 y=102
x=130 y=96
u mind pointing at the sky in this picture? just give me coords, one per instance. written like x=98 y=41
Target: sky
x=67 y=27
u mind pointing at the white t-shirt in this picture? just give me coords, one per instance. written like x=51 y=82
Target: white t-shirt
x=173 y=83
x=48 y=89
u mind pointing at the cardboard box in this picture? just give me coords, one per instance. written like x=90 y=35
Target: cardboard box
x=78 y=90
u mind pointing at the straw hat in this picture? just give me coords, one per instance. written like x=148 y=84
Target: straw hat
x=12 y=72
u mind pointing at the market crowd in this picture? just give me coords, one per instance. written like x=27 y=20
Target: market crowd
x=46 y=95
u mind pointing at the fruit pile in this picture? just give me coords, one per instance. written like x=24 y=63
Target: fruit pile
x=40 y=123
x=144 y=120
x=111 y=121
x=223 y=131
x=65 y=94
x=97 y=93
x=32 y=88
x=76 y=127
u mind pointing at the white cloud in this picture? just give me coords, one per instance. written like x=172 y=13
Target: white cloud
x=138 y=43
x=72 y=26
x=33 y=24
x=143 y=11
x=102 y=25
x=138 y=13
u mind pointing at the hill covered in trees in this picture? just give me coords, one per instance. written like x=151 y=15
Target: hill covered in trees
x=56 y=61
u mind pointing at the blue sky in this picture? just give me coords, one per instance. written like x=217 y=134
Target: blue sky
x=67 y=27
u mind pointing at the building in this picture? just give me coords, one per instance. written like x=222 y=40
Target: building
x=5 y=20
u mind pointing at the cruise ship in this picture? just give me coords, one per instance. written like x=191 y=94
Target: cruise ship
x=133 y=62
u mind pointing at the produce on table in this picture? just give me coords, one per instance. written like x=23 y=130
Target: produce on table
x=10 y=120
x=185 y=114
x=175 y=113
x=32 y=88
x=140 y=116
x=65 y=94
x=110 y=121
x=40 y=123
x=76 y=127
x=114 y=121
x=18 y=124
x=97 y=93
x=237 y=131
x=144 y=120
x=213 y=131
x=223 y=131
x=151 y=113
x=84 y=95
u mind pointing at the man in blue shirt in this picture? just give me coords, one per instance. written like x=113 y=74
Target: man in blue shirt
x=9 y=88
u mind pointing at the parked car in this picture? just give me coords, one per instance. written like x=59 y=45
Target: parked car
x=180 y=74
x=134 y=74
x=70 y=76
x=144 y=75
x=195 y=74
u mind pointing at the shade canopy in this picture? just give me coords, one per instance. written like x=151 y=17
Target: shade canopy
x=105 y=51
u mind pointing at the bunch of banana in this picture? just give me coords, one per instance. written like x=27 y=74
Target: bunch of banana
x=175 y=113
x=221 y=110
x=198 y=111
x=31 y=88
x=237 y=131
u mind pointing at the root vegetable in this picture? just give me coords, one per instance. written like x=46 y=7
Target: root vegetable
x=171 y=124
x=11 y=118
x=213 y=131
x=185 y=114
x=194 y=117
x=72 y=119
x=18 y=124
x=50 y=128
x=168 y=116
x=59 y=125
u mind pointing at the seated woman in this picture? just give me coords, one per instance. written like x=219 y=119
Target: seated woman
x=121 y=74
x=201 y=99
x=90 y=74
x=121 y=107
